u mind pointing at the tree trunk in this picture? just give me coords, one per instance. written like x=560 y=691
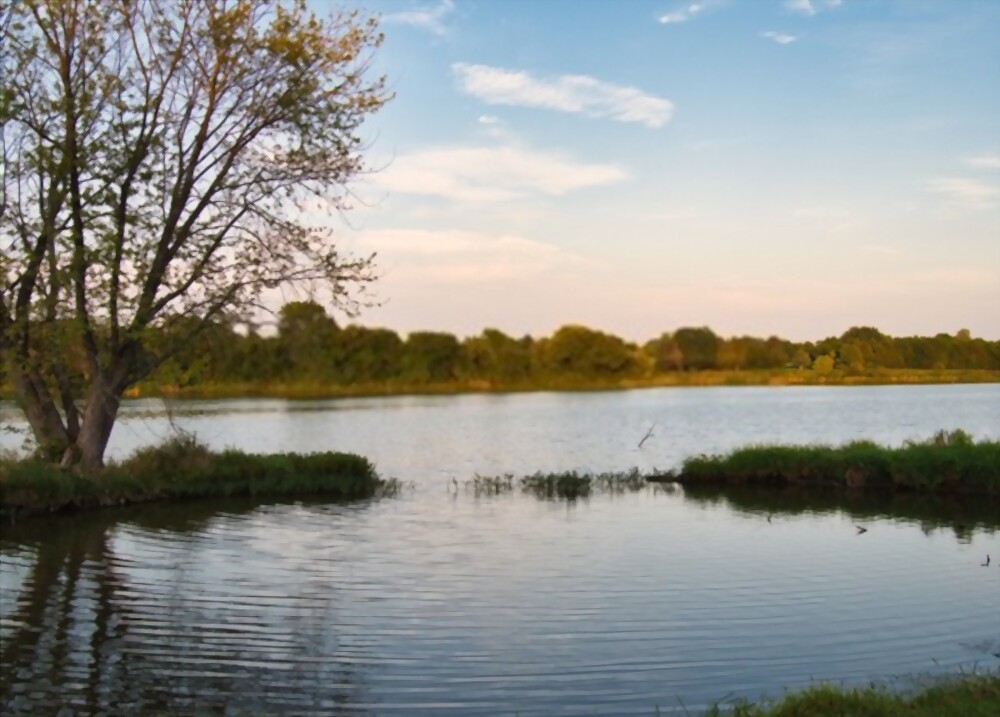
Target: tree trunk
x=103 y=401
x=43 y=416
x=55 y=441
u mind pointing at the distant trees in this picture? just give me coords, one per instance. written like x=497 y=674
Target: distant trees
x=310 y=348
x=495 y=356
x=430 y=357
x=579 y=351
x=699 y=347
x=309 y=341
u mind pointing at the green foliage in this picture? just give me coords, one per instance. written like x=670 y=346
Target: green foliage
x=312 y=356
x=431 y=356
x=495 y=356
x=823 y=365
x=947 y=463
x=182 y=468
x=160 y=150
x=307 y=340
x=568 y=485
x=579 y=351
x=965 y=696
x=699 y=346
x=557 y=485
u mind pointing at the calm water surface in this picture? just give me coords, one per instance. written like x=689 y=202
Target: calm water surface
x=444 y=602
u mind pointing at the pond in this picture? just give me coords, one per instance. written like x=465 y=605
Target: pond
x=442 y=601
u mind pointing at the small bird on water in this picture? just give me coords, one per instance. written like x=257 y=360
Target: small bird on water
x=987 y=563
x=861 y=529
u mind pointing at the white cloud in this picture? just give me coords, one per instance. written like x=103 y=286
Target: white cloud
x=803 y=7
x=681 y=15
x=779 y=37
x=430 y=18
x=488 y=119
x=985 y=161
x=567 y=93
x=811 y=7
x=969 y=192
x=492 y=174
x=431 y=257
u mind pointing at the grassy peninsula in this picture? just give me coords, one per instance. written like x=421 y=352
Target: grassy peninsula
x=182 y=469
x=947 y=463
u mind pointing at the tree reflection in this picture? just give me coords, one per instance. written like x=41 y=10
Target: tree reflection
x=961 y=514
x=114 y=614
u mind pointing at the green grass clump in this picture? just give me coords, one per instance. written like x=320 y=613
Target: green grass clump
x=569 y=484
x=947 y=463
x=182 y=468
x=966 y=696
x=557 y=485
x=491 y=485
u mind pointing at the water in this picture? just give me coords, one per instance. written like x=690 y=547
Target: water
x=444 y=602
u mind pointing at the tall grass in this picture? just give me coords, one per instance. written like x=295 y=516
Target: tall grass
x=973 y=695
x=947 y=463
x=182 y=468
x=567 y=484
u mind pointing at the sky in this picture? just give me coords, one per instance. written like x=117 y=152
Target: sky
x=762 y=167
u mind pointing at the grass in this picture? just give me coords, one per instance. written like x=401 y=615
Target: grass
x=567 y=484
x=973 y=695
x=948 y=463
x=181 y=468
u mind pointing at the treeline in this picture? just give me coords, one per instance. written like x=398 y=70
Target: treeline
x=311 y=348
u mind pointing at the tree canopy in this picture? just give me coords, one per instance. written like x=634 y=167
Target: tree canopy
x=164 y=163
x=309 y=351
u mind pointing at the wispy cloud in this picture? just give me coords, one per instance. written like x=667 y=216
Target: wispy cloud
x=967 y=192
x=984 y=161
x=811 y=7
x=433 y=257
x=492 y=174
x=782 y=38
x=682 y=14
x=579 y=94
x=882 y=250
x=427 y=17
x=488 y=119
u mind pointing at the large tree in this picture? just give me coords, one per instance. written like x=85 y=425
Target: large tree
x=164 y=162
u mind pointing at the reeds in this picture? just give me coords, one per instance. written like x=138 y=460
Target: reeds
x=566 y=484
x=949 y=462
x=181 y=468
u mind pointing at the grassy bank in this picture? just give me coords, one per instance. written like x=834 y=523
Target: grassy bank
x=948 y=463
x=965 y=696
x=763 y=377
x=182 y=469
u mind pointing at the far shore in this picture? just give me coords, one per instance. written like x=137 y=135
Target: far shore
x=305 y=390
x=569 y=384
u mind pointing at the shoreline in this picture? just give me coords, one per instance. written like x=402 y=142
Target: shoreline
x=695 y=379
x=182 y=470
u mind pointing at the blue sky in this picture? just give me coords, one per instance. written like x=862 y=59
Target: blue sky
x=758 y=166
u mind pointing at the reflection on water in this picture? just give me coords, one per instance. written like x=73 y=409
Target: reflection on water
x=444 y=602
x=962 y=515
